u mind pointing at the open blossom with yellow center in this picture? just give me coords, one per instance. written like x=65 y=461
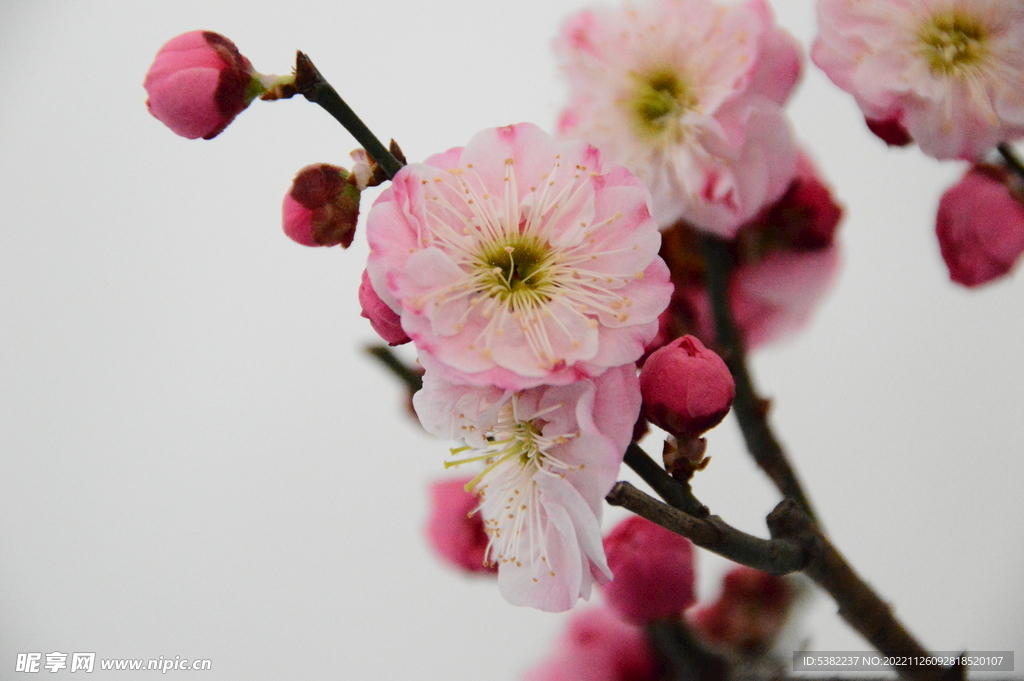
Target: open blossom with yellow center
x=949 y=72
x=688 y=95
x=549 y=456
x=519 y=260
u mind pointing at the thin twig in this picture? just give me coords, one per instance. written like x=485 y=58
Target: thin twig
x=314 y=87
x=797 y=544
x=750 y=410
x=778 y=557
x=683 y=656
x=412 y=378
x=675 y=492
x=1012 y=160
x=859 y=605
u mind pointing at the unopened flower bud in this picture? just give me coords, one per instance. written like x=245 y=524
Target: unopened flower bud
x=383 y=319
x=455 y=532
x=749 y=614
x=687 y=389
x=322 y=207
x=980 y=226
x=890 y=131
x=804 y=219
x=653 y=571
x=198 y=83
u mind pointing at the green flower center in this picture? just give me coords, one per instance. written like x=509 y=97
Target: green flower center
x=520 y=441
x=951 y=41
x=658 y=98
x=517 y=268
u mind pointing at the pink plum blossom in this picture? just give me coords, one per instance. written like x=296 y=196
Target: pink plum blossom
x=688 y=95
x=598 y=646
x=198 y=83
x=383 y=319
x=322 y=206
x=552 y=453
x=980 y=226
x=454 y=530
x=653 y=569
x=686 y=388
x=519 y=260
x=948 y=72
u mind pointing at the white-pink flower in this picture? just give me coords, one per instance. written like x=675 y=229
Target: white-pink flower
x=519 y=260
x=552 y=453
x=949 y=72
x=688 y=95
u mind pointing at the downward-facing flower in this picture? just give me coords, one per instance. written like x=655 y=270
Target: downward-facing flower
x=551 y=454
x=687 y=94
x=948 y=72
x=519 y=260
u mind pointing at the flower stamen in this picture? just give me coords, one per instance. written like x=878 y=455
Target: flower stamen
x=952 y=42
x=516 y=453
x=510 y=265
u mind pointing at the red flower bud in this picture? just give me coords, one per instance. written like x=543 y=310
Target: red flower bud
x=749 y=613
x=653 y=569
x=457 y=537
x=198 y=83
x=383 y=319
x=807 y=216
x=687 y=389
x=890 y=131
x=980 y=226
x=322 y=207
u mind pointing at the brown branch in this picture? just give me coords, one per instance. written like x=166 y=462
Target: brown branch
x=683 y=656
x=314 y=87
x=673 y=491
x=751 y=411
x=410 y=376
x=859 y=605
x=797 y=544
x=1013 y=161
x=778 y=557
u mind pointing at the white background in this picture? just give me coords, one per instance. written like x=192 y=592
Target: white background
x=197 y=459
